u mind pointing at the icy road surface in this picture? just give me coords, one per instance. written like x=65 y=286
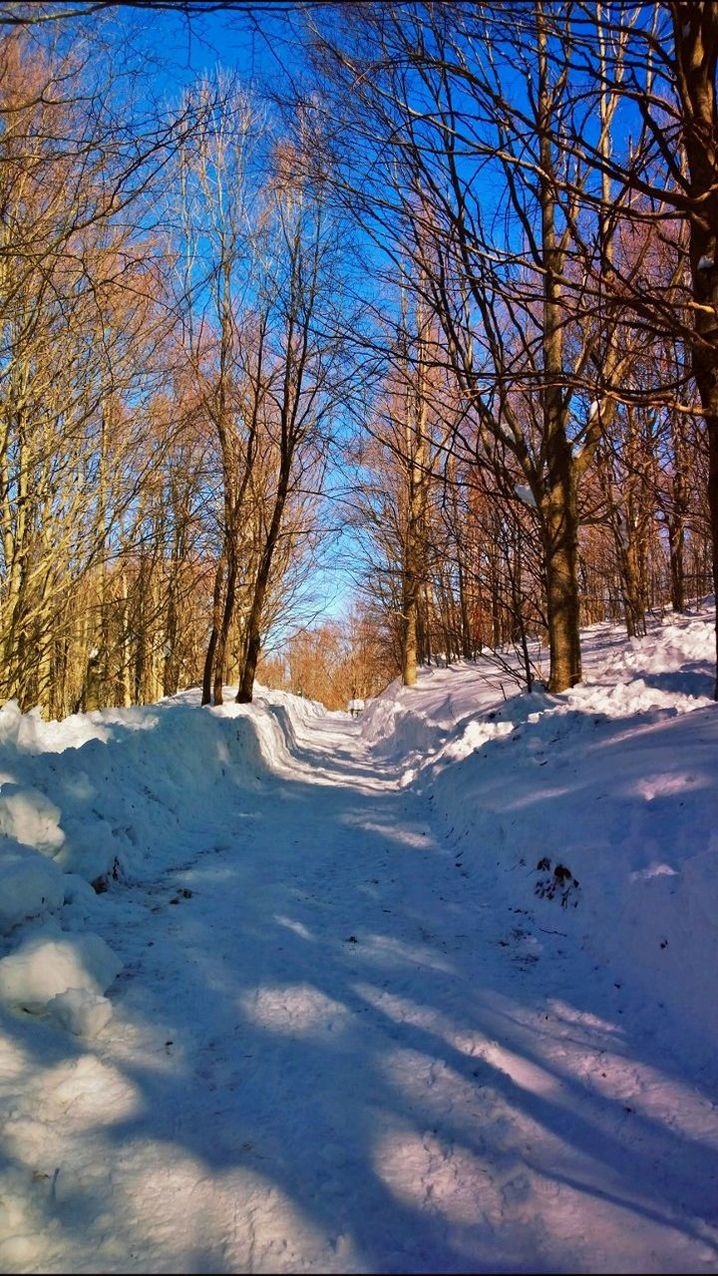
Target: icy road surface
x=332 y=1052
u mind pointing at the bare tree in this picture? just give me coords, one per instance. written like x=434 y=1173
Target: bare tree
x=478 y=182
x=310 y=374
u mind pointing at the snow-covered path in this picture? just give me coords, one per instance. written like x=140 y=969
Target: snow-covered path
x=332 y=1052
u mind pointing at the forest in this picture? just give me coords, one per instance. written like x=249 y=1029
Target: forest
x=427 y=306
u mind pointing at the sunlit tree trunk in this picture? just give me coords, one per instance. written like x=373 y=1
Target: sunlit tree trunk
x=696 y=45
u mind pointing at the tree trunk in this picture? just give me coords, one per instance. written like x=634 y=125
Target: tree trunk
x=560 y=537
x=676 y=545
x=560 y=521
x=253 y=639
x=409 y=610
x=676 y=514
x=220 y=654
x=126 y=645
x=705 y=369
x=633 y=595
x=696 y=43
x=214 y=634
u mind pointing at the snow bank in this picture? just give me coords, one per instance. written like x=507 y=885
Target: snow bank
x=109 y=793
x=595 y=809
x=80 y=1012
x=47 y=964
x=29 y=817
x=62 y=976
x=119 y=794
x=30 y=885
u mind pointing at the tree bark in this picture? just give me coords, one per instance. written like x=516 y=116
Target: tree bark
x=696 y=45
x=560 y=538
x=220 y=654
x=253 y=640
x=214 y=634
x=560 y=521
x=408 y=626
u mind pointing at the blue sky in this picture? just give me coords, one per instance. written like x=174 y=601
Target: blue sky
x=259 y=48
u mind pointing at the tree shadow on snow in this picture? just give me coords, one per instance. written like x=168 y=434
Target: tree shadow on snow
x=342 y=1062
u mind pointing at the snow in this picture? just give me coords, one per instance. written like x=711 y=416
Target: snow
x=80 y=1011
x=331 y=1008
x=31 y=885
x=27 y=816
x=48 y=964
x=625 y=800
